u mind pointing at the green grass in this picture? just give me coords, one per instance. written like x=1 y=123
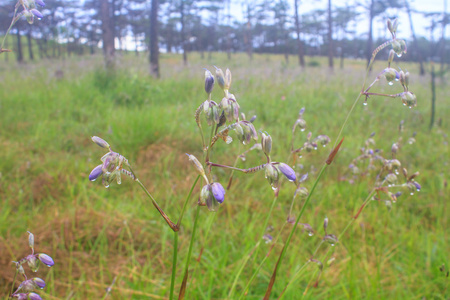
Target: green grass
x=96 y=234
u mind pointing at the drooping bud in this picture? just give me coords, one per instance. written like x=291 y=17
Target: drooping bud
x=391 y=74
x=325 y=224
x=287 y=171
x=266 y=143
x=227 y=79
x=34 y=296
x=323 y=140
x=198 y=166
x=300 y=123
x=209 y=82
x=37 y=13
x=31 y=240
x=407 y=79
x=417 y=185
x=220 y=78
x=409 y=99
x=96 y=172
x=46 y=259
x=391 y=57
x=39 y=282
x=218 y=192
x=40 y=2
x=100 y=142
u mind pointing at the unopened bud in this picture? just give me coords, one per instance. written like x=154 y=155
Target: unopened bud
x=266 y=143
x=220 y=78
x=391 y=74
x=198 y=166
x=209 y=82
x=227 y=79
x=391 y=57
x=413 y=176
x=101 y=142
x=31 y=240
x=46 y=259
x=325 y=224
x=287 y=171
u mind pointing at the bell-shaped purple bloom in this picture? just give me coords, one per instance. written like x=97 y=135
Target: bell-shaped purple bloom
x=218 y=192
x=37 y=13
x=34 y=296
x=287 y=171
x=40 y=2
x=417 y=185
x=39 y=282
x=209 y=82
x=96 y=172
x=46 y=260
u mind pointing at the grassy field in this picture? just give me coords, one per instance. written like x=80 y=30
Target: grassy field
x=98 y=235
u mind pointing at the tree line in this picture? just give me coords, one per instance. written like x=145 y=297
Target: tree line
x=75 y=28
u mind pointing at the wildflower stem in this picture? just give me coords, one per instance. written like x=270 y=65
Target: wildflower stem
x=188 y=259
x=172 y=225
x=14 y=20
x=264 y=228
x=283 y=252
x=186 y=202
x=174 y=263
x=13 y=283
x=384 y=95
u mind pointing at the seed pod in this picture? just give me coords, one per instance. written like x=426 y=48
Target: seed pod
x=409 y=99
x=271 y=174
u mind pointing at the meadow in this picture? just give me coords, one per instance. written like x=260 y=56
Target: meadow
x=113 y=237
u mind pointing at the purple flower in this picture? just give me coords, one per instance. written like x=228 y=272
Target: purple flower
x=40 y=2
x=39 y=282
x=96 y=172
x=37 y=13
x=46 y=260
x=218 y=192
x=209 y=82
x=417 y=185
x=34 y=296
x=287 y=171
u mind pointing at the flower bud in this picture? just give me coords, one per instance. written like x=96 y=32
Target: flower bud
x=209 y=82
x=198 y=166
x=39 y=282
x=287 y=171
x=300 y=123
x=30 y=240
x=218 y=192
x=325 y=224
x=220 y=78
x=391 y=57
x=96 y=172
x=40 y=2
x=391 y=74
x=227 y=79
x=34 y=296
x=266 y=143
x=100 y=142
x=409 y=99
x=323 y=140
x=46 y=259
x=307 y=228
x=37 y=13
x=27 y=286
x=417 y=185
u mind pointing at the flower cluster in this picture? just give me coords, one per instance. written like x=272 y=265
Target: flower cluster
x=28 y=286
x=29 y=9
x=112 y=165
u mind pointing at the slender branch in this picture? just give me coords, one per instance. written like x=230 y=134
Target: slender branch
x=174 y=263
x=186 y=202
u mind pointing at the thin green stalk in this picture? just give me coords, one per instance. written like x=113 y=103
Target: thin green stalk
x=174 y=263
x=186 y=202
x=13 y=283
x=261 y=264
x=188 y=259
x=266 y=222
x=14 y=20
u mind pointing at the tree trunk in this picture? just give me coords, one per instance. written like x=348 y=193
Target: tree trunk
x=19 y=47
x=30 y=45
x=183 y=34
x=301 y=58
x=370 y=38
x=444 y=24
x=154 y=47
x=249 y=34
x=416 y=46
x=107 y=34
x=330 y=36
